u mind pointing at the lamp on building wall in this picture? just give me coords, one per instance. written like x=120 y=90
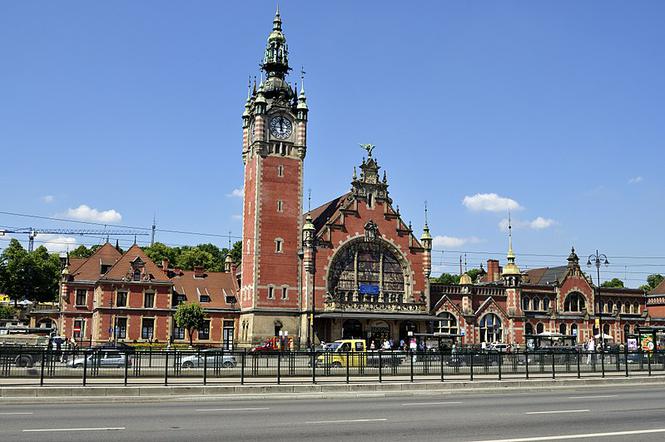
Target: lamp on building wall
x=598 y=259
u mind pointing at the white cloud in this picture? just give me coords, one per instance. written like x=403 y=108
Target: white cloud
x=538 y=223
x=56 y=243
x=490 y=202
x=87 y=213
x=450 y=242
x=48 y=199
x=235 y=193
x=236 y=216
x=635 y=180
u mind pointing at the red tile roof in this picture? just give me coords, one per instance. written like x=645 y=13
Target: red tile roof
x=123 y=267
x=217 y=285
x=90 y=269
x=659 y=290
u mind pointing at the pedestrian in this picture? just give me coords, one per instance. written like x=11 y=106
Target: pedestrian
x=372 y=346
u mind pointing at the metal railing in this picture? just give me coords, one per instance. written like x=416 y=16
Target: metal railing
x=32 y=365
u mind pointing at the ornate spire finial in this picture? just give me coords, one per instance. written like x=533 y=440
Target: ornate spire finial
x=511 y=254
x=426 y=214
x=309 y=200
x=302 y=80
x=277 y=21
x=355 y=176
x=369 y=148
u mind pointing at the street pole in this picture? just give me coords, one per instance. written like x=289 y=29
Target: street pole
x=597 y=259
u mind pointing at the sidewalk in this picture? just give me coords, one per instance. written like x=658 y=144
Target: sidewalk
x=149 y=393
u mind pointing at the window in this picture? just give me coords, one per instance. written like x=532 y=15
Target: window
x=148 y=299
x=278 y=245
x=81 y=295
x=103 y=268
x=178 y=332
x=280 y=205
x=574 y=303
x=540 y=328
x=528 y=329
x=610 y=306
x=525 y=303
x=546 y=303
x=563 y=329
x=626 y=331
x=204 y=331
x=137 y=275
x=632 y=309
x=536 y=303
x=369 y=269
x=637 y=308
x=280 y=171
x=79 y=328
x=606 y=329
x=121 y=328
x=490 y=328
x=285 y=293
x=204 y=298
x=227 y=334
x=271 y=292
x=447 y=324
x=147 y=328
x=121 y=299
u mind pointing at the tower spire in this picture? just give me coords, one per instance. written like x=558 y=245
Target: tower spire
x=511 y=268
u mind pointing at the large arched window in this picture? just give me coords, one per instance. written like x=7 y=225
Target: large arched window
x=525 y=303
x=490 y=328
x=367 y=271
x=447 y=324
x=574 y=303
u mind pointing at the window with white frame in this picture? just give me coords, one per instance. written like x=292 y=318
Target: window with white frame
x=280 y=171
x=279 y=245
x=285 y=292
x=447 y=324
x=280 y=206
x=271 y=292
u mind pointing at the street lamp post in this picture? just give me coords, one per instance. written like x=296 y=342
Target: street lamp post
x=597 y=259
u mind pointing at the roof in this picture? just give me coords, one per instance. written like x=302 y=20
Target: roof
x=82 y=269
x=123 y=266
x=323 y=213
x=217 y=285
x=659 y=290
x=546 y=275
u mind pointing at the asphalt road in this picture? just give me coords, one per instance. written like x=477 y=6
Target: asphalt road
x=626 y=413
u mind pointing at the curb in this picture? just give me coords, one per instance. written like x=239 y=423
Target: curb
x=29 y=395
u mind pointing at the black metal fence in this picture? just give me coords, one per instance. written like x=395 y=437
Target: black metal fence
x=19 y=366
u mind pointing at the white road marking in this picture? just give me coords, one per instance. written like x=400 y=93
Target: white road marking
x=557 y=411
x=420 y=404
x=233 y=409
x=14 y=413
x=579 y=436
x=346 y=421
x=603 y=396
x=44 y=430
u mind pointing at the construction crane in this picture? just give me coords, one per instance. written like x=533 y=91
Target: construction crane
x=32 y=233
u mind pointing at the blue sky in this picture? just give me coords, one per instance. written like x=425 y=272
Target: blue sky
x=552 y=108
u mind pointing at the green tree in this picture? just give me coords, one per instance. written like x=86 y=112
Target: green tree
x=33 y=276
x=474 y=274
x=190 y=317
x=652 y=282
x=614 y=282
x=158 y=252
x=448 y=279
x=81 y=252
x=194 y=256
x=236 y=252
x=6 y=312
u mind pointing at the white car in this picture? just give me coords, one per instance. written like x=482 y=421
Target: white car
x=102 y=359
x=212 y=357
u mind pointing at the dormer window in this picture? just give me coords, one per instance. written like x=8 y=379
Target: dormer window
x=136 y=276
x=204 y=298
x=103 y=268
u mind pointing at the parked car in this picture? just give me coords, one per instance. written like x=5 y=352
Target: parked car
x=479 y=359
x=102 y=359
x=213 y=358
x=120 y=346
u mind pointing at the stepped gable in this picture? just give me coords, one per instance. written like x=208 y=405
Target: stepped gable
x=323 y=213
x=220 y=287
x=135 y=258
x=90 y=269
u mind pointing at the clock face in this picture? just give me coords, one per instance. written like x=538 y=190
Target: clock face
x=280 y=127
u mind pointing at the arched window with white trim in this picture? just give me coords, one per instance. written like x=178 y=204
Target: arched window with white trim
x=447 y=324
x=490 y=328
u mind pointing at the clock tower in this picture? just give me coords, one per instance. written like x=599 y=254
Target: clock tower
x=274 y=148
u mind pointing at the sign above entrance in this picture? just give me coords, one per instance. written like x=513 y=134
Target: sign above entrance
x=369 y=289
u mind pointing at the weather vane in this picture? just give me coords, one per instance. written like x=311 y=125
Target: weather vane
x=368 y=147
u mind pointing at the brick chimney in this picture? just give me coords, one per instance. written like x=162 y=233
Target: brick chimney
x=493 y=270
x=199 y=271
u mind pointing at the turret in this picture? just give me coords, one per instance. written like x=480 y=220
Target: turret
x=426 y=241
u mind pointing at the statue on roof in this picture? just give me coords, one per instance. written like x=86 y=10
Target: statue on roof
x=368 y=147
